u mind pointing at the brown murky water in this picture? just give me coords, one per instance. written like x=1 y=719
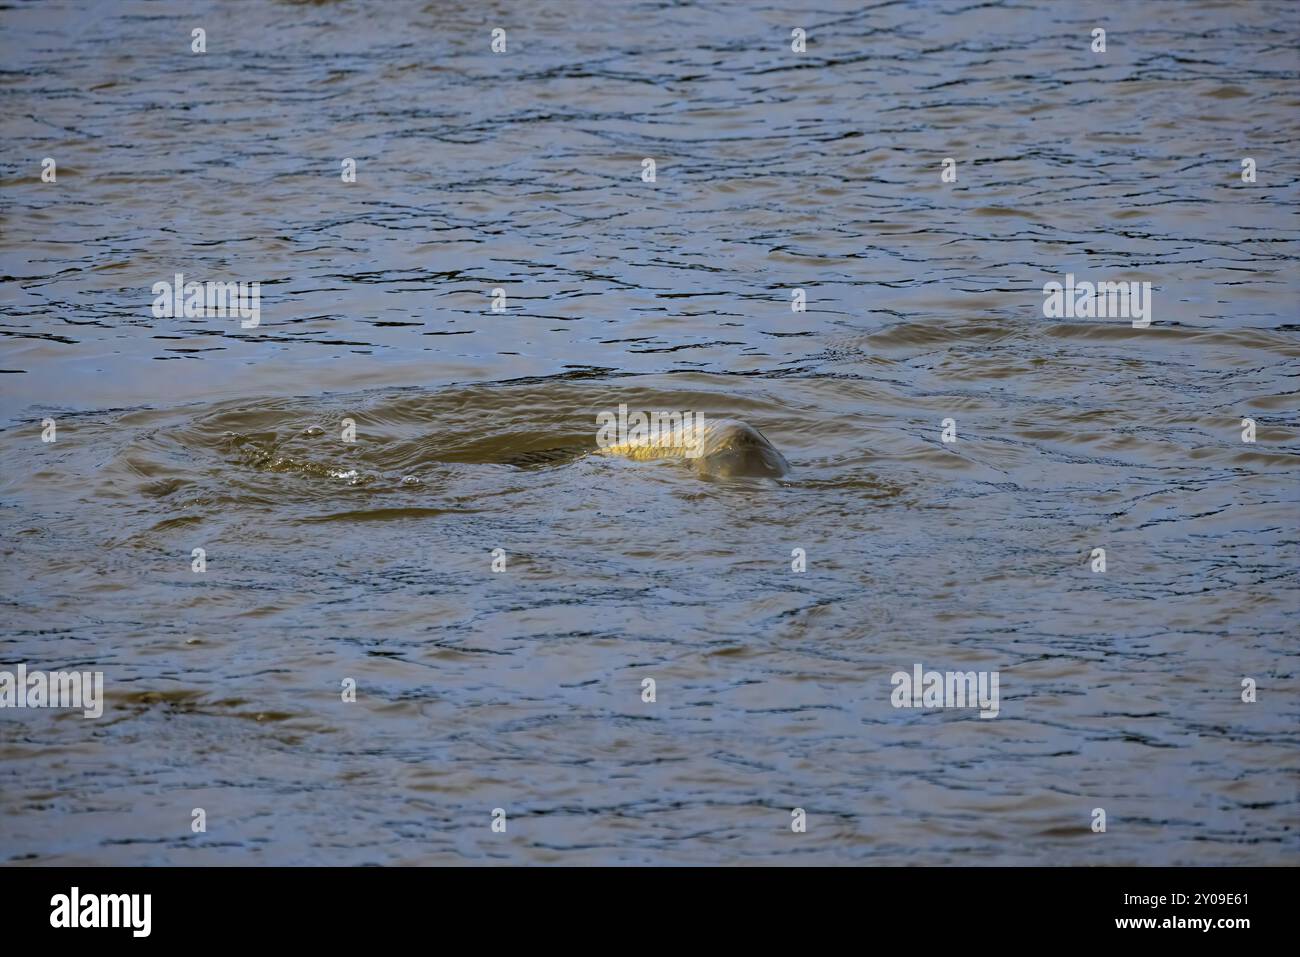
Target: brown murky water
x=522 y=690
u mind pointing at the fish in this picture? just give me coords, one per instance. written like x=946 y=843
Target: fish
x=721 y=448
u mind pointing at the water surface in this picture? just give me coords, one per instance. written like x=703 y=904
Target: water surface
x=522 y=690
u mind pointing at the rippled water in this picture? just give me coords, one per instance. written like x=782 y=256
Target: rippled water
x=522 y=690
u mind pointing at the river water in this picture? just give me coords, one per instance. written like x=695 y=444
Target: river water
x=370 y=562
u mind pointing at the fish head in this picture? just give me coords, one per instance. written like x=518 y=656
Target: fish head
x=735 y=450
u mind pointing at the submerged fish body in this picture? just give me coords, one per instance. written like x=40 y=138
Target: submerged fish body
x=721 y=448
